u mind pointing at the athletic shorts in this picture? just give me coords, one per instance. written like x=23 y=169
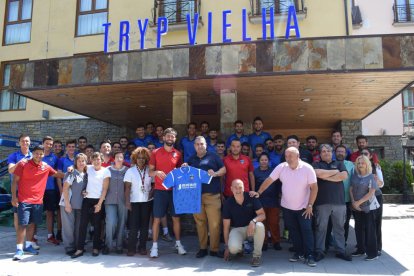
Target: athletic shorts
x=163 y=203
x=51 y=200
x=29 y=213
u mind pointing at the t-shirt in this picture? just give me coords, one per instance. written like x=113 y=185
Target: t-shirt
x=237 y=169
x=52 y=161
x=143 y=142
x=115 y=194
x=360 y=187
x=256 y=163
x=139 y=191
x=77 y=181
x=16 y=157
x=347 y=182
x=187 y=183
x=32 y=183
x=270 y=197
x=275 y=158
x=165 y=161
x=241 y=215
x=210 y=161
x=243 y=139
x=158 y=143
x=330 y=192
x=187 y=146
x=356 y=154
x=255 y=139
x=95 y=182
x=64 y=163
x=295 y=184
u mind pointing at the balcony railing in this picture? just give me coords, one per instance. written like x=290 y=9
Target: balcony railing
x=404 y=13
x=281 y=7
x=175 y=10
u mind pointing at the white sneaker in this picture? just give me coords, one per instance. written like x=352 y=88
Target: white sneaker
x=35 y=246
x=154 y=252
x=180 y=249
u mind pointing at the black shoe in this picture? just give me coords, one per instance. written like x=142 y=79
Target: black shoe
x=344 y=257
x=71 y=252
x=74 y=256
x=218 y=254
x=358 y=253
x=379 y=253
x=319 y=256
x=95 y=252
x=105 y=251
x=119 y=251
x=59 y=236
x=264 y=247
x=201 y=253
x=277 y=246
x=291 y=249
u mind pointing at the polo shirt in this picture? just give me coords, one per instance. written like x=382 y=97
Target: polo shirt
x=158 y=143
x=347 y=182
x=186 y=183
x=187 y=146
x=356 y=154
x=165 y=161
x=52 y=161
x=16 y=157
x=64 y=163
x=143 y=142
x=241 y=215
x=32 y=183
x=275 y=158
x=210 y=161
x=270 y=197
x=296 y=184
x=243 y=139
x=255 y=139
x=211 y=148
x=237 y=169
x=304 y=155
x=330 y=192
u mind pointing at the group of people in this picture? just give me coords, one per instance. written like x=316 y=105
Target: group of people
x=236 y=190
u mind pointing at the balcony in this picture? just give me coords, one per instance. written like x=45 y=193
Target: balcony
x=176 y=12
x=281 y=8
x=403 y=14
x=356 y=17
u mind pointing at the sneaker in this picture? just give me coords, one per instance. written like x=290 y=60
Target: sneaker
x=310 y=261
x=154 y=252
x=344 y=256
x=371 y=258
x=30 y=250
x=319 y=256
x=166 y=237
x=296 y=257
x=19 y=255
x=256 y=261
x=53 y=240
x=34 y=244
x=277 y=246
x=357 y=253
x=201 y=253
x=180 y=249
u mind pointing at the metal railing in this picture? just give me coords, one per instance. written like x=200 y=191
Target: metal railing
x=403 y=13
x=280 y=6
x=175 y=10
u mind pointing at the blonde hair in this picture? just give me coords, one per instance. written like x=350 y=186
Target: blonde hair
x=80 y=156
x=366 y=161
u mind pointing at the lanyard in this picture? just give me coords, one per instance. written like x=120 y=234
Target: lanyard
x=142 y=175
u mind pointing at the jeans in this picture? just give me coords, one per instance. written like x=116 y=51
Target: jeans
x=139 y=219
x=70 y=227
x=300 y=231
x=115 y=224
x=88 y=209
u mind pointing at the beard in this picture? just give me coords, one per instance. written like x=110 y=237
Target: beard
x=169 y=143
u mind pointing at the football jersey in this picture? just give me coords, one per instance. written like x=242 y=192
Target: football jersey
x=186 y=183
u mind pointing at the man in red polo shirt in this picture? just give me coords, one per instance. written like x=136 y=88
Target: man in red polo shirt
x=30 y=178
x=238 y=166
x=362 y=143
x=163 y=160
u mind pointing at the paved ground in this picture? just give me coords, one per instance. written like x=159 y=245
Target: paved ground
x=397 y=258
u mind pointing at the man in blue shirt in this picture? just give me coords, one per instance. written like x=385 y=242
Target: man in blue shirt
x=142 y=139
x=66 y=161
x=210 y=214
x=204 y=129
x=258 y=136
x=211 y=140
x=336 y=138
x=52 y=196
x=238 y=133
x=187 y=142
x=158 y=138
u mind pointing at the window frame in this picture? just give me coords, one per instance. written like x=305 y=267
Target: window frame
x=18 y=21
x=92 y=11
x=2 y=87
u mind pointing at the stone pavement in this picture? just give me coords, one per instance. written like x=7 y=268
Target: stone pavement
x=397 y=257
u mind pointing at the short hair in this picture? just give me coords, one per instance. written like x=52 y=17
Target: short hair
x=268 y=139
x=119 y=152
x=80 y=156
x=263 y=154
x=257 y=118
x=38 y=147
x=245 y=144
x=292 y=137
x=90 y=147
x=70 y=141
x=220 y=142
x=340 y=146
x=23 y=135
x=366 y=161
x=123 y=137
x=238 y=122
x=205 y=122
x=149 y=123
x=140 y=126
x=104 y=142
x=191 y=124
x=278 y=137
x=159 y=126
x=115 y=143
x=150 y=144
x=170 y=130
x=83 y=138
x=131 y=144
x=327 y=146
x=97 y=154
x=47 y=138
x=236 y=140
x=359 y=137
x=335 y=131
x=57 y=142
x=258 y=145
x=201 y=138
x=140 y=151
x=312 y=137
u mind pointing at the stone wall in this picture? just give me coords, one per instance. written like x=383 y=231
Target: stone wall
x=96 y=131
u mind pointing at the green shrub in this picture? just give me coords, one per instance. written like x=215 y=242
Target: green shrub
x=394 y=176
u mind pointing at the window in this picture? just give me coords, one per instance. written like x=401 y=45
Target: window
x=91 y=14
x=176 y=10
x=280 y=7
x=408 y=107
x=18 y=21
x=404 y=11
x=8 y=99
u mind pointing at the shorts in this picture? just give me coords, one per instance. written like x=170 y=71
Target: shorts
x=28 y=213
x=51 y=200
x=163 y=203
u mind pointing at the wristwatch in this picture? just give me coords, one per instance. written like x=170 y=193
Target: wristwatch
x=254 y=221
x=310 y=205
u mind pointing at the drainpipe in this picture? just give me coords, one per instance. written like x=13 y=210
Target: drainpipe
x=346 y=17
